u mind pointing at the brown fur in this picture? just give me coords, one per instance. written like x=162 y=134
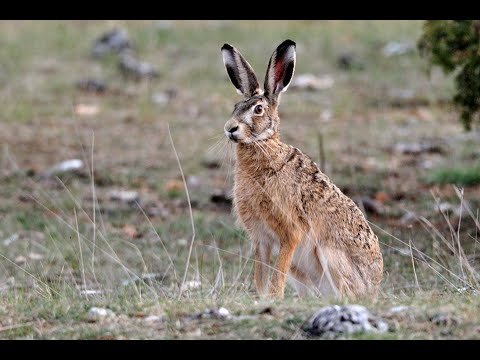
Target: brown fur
x=285 y=202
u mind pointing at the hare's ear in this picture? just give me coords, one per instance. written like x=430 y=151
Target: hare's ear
x=240 y=72
x=280 y=69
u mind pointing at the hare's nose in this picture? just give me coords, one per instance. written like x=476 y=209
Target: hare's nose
x=233 y=129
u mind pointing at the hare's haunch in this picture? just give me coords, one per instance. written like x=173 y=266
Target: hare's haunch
x=321 y=239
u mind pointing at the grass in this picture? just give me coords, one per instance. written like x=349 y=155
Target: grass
x=71 y=237
x=463 y=176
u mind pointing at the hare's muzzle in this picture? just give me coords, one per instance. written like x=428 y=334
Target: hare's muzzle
x=232 y=130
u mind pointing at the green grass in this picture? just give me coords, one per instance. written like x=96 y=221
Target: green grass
x=465 y=175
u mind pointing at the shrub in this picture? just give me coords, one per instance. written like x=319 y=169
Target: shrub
x=454 y=45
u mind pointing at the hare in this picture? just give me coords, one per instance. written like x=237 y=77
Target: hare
x=286 y=204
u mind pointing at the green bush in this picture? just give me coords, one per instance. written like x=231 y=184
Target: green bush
x=454 y=45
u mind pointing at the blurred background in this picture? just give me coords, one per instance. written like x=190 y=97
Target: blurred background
x=93 y=114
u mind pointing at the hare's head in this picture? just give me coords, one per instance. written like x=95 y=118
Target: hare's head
x=256 y=117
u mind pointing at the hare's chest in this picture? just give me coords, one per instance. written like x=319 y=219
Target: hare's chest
x=259 y=198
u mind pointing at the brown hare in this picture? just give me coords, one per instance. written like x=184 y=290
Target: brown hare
x=286 y=204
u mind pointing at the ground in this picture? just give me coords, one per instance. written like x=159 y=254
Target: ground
x=382 y=128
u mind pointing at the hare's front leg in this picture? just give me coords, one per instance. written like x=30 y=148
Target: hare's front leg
x=263 y=249
x=282 y=265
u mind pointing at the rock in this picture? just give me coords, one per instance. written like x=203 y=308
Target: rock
x=182 y=242
x=443 y=319
x=220 y=313
x=398 y=309
x=415 y=148
x=194 y=181
x=132 y=67
x=222 y=197
x=191 y=285
x=20 y=260
x=348 y=61
x=152 y=319
x=89 y=292
x=7 y=285
x=211 y=164
x=35 y=256
x=312 y=82
x=11 y=239
x=91 y=85
x=73 y=165
x=332 y=321
x=123 y=196
x=394 y=48
x=96 y=314
x=164 y=97
x=445 y=207
x=371 y=206
x=113 y=41
x=408 y=218
x=86 y=110
x=30 y=236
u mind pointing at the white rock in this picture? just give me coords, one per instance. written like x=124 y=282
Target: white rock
x=11 y=239
x=123 y=195
x=152 y=319
x=193 y=284
x=96 y=313
x=90 y=292
x=397 y=48
x=399 y=309
x=160 y=98
x=223 y=312
x=65 y=166
x=35 y=256
x=312 y=82
x=182 y=242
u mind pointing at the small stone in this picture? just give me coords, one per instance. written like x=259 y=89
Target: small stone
x=408 y=218
x=399 y=309
x=35 y=256
x=89 y=292
x=193 y=284
x=194 y=181
x=222 y=312
x=113 y=41
x=223 y=197
x=86 y=110
x=20 y=260
x=130 y=66
x=96 y=313
x=182 y=242
x=312 y=82
x=394 y=48
x=152 y=319
x=73 y=165
x=91 y=85
x=123 y=195
x=11 y=239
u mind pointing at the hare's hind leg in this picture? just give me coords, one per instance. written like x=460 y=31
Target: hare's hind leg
x=300 y=281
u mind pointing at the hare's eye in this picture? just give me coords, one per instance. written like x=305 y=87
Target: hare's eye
x=258 y=109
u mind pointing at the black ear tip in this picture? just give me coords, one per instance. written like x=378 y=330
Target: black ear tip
x=227 y=47
x=287 y=43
